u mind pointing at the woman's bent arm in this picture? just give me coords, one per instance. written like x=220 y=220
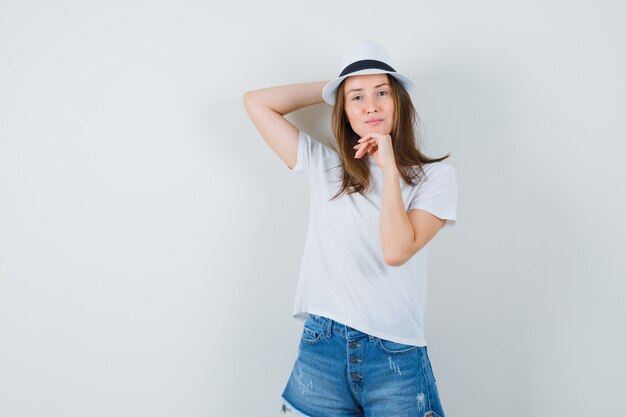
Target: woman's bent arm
x=266 y=108
x=402 y=233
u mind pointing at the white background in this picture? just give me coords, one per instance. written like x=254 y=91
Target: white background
x=150 y=240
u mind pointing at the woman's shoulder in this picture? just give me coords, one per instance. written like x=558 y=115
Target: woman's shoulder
x=319 y=153
x=438 y=171
x=325 y=148
x=444 y=166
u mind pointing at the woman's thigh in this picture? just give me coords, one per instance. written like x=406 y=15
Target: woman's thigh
x=318 y=385
x=398 y=381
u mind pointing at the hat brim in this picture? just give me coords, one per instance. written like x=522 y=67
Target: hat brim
x=329 y=93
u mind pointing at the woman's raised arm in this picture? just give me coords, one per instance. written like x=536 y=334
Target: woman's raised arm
x=266 y=108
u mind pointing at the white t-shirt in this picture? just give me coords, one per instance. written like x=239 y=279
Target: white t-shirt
x=343 y=275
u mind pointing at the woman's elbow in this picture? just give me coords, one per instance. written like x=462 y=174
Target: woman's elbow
x=248 y=98
x=400 y=257
x=394 y=259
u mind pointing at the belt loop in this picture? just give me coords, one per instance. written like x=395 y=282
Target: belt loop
x=329 y=328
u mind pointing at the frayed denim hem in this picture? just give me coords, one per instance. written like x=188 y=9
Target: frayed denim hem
x=287 y=407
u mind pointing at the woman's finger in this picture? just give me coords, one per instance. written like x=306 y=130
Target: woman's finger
x=363 y=148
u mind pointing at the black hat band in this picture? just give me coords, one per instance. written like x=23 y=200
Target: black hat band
x=366 y=64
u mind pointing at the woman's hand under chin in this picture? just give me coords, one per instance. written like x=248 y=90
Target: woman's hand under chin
x=379 y=147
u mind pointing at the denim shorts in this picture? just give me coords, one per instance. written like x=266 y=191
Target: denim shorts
x=341 y=371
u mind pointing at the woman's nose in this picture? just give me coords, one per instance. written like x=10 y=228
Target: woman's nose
x=370 y=106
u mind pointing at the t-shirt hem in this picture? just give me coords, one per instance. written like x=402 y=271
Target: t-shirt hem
x=449 y=217
x=303 y=315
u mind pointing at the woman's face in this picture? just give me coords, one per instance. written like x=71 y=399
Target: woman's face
x=368 y=104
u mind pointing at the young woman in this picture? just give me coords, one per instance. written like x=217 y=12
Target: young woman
x=376 y=202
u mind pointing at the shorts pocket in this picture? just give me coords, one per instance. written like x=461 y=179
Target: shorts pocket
x=310 y=333
x=395 y=348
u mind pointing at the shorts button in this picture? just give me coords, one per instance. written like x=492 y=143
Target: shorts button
x=355 y=360
x=357 y=376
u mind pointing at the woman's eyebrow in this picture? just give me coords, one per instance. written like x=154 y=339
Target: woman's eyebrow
x=361 y=89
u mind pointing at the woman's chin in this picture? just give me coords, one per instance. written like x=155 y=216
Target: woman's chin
x=374 y=129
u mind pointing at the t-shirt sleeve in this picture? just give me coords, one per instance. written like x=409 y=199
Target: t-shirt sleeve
x=311 y=155
x=437 y=194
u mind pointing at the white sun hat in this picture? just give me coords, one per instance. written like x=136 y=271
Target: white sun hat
x=365 y=57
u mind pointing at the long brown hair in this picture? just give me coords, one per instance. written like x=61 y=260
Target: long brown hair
x=405 y=142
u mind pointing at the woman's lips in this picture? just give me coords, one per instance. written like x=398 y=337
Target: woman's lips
x=373 y=122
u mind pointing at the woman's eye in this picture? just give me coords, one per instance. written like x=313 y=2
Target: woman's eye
x=383 y=93
x=356 y=98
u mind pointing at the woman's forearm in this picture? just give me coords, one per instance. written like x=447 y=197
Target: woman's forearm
x=285 y=99
x=396 y=232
